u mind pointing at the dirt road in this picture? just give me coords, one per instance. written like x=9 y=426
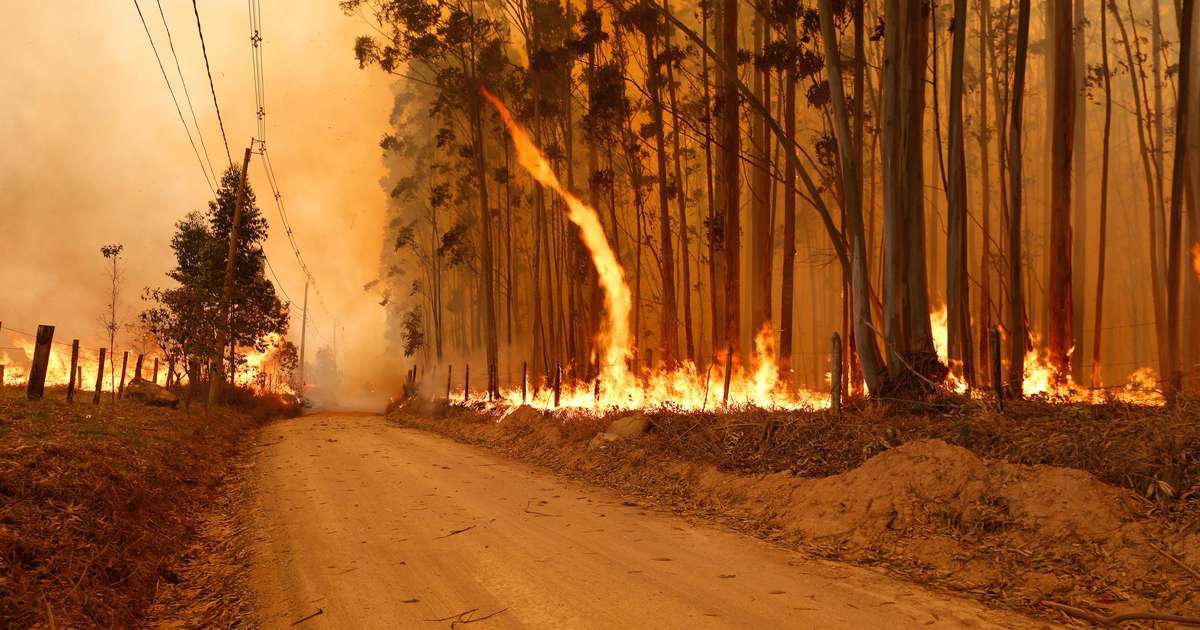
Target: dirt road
x=382 y=527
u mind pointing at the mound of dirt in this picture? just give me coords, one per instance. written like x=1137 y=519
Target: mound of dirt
x=904 y=486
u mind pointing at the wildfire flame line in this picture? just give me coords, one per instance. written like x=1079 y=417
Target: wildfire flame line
x=685 y=387
x=615 y=342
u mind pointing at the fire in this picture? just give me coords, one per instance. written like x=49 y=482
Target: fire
x=1196 y=258
x=264 y=371
x=685 y=388
x=58 y=368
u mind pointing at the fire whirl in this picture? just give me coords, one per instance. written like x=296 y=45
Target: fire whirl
x=687 y=388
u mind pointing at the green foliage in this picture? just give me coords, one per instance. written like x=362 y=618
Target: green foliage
x=183 y=319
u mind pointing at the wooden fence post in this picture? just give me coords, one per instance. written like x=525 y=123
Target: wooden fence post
x=36 y=386
x=449 y=374
x=124 y=363
x=524 y=380
x=467 y=384
x=728 y=374
x=170 y=371
x=99 y=377
x=835 y=380
x=79 y=377
x=997 y=370
x=71 y=382
x=137 y=368
x=1 y=375
x=156 y=370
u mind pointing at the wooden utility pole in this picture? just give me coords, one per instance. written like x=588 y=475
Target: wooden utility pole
x=303 y=334
x=36 y=386
x=216 y=376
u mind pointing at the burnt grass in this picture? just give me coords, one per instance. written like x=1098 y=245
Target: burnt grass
x=98 y=502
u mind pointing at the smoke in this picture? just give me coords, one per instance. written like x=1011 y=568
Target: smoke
x=94 y=153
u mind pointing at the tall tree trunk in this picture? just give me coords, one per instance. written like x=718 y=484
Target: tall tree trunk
x=760 y=198
x=1080 y=241
x=715 y=227
x=1154 y=201
x=681 y=201
x=731 y=141
x=906 y=294
x=668 y=315
x=1174 y=376
x=1102 y=245
x=787 y=287
x=984 y=312
x=1016 y=314
x=957 y=288
x=873 y=369
x=1060 y=336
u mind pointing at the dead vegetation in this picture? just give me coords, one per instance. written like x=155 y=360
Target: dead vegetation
x=1093 y=508
x=99 y=503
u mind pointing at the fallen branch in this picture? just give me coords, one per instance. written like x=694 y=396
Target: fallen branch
x=456 y=532
x=464 y=622
x=303 y=619
x=462 y=618
x=1177 y=561
x=1115 y=620
x=535 y=512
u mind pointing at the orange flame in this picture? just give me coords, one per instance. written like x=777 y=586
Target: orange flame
x=1196 y=258
x=685 y=388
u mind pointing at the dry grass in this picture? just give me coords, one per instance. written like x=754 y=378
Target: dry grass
x=1153 y=451
x=97 y=503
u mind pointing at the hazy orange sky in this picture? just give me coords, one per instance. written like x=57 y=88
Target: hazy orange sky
x=93 y=152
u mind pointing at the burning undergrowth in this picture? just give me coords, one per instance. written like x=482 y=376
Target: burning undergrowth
x=1097 y=506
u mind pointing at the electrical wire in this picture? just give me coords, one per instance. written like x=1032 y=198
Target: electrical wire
x=211 y=85
x=186 y=93
x=175 y=100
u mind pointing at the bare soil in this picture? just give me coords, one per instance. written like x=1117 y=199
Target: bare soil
x=973 y=517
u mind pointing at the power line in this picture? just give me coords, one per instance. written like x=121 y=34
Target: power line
x=186 y=93
x=175 y=100
x=211 y=85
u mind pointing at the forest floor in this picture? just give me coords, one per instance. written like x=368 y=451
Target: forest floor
x=1059 y=511
x=105 y=508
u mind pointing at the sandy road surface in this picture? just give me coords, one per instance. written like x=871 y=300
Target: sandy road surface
x=383 y=527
